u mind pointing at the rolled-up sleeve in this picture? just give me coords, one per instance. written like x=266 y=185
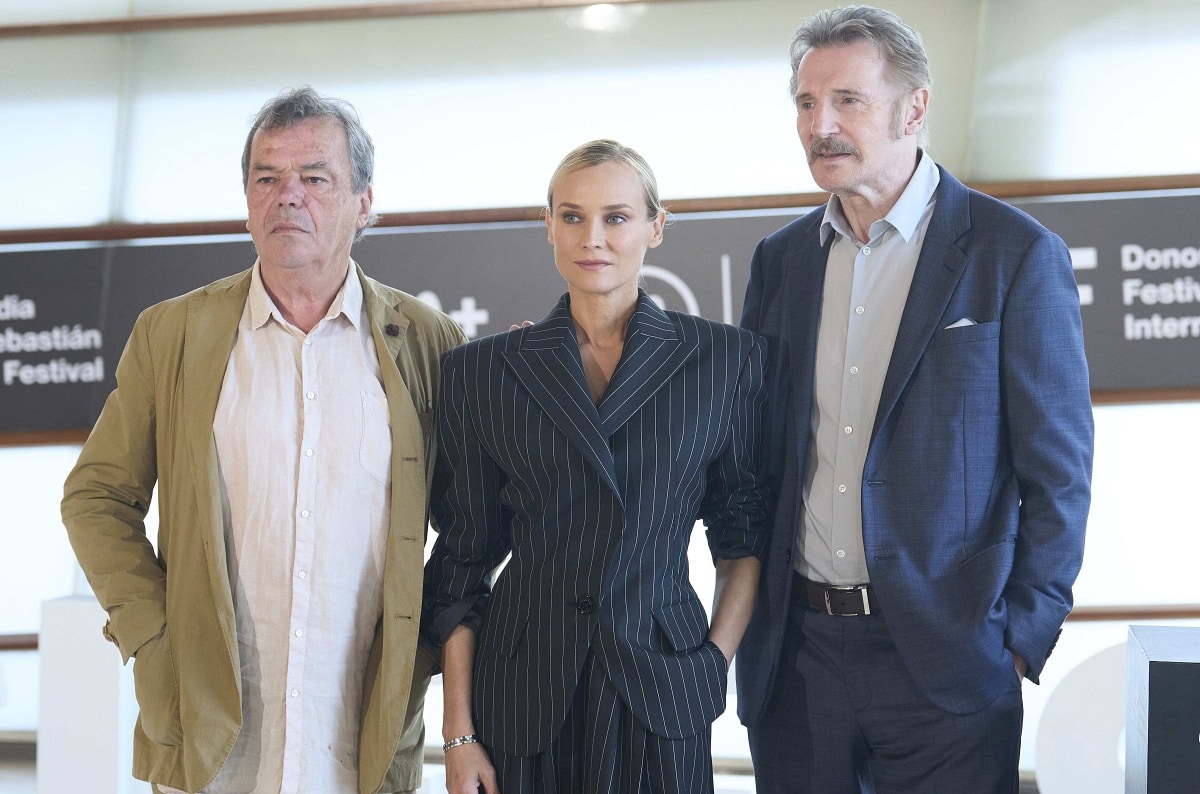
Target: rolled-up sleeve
x=472 y=523
x=737 y=503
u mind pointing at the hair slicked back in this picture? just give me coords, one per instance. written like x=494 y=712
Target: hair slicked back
x=604 y=150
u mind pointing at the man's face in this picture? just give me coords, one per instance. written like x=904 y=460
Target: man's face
x=300 y=196
x=858 y=129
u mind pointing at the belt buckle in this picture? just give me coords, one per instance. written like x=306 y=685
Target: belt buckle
x=862 y=591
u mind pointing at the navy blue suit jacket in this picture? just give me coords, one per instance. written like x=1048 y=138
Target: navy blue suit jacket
x=596 y=504
x=977 y=479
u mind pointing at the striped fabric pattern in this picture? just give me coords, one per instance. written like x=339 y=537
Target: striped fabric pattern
x=596 y=505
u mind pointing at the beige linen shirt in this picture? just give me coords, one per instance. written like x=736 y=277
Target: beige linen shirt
x=304 y=452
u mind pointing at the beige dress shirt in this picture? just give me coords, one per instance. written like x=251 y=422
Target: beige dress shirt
x=304 y=448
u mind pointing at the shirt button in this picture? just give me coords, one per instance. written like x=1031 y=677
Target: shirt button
x=854 y=370
x=840 y=553
x=585 y=605
x=308 y=453
x=304 y=513
x=311 y=395
x=295 y=693
x=301 y=574
x=307 y=341
x=859 y=309
x=847 y=430
x=299 y=632
x=841 y=489
x=866 y=249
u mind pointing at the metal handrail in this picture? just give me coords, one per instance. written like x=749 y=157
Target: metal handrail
x=18 y=642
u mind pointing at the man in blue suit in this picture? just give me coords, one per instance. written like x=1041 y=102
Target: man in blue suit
x=934 y=419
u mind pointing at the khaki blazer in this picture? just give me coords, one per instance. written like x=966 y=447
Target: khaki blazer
x=172 y=608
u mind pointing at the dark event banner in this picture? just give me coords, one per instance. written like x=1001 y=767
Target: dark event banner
x=66 y=311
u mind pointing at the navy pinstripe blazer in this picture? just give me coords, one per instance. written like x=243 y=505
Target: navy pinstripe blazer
x=596 y=504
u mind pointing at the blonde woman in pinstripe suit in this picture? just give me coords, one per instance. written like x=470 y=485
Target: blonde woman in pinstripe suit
x=586 y=446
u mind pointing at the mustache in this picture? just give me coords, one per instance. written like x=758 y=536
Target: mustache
x=830 y=146
x=292 y=219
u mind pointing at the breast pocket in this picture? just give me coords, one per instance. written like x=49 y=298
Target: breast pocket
x=948 y=338
x=375 y=444
x=968 y=357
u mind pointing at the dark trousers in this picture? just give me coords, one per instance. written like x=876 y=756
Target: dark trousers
x=845 y=717
x=603 y=749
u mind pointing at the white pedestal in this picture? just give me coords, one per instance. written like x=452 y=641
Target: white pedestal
x=87 y=707
x=1163 y=693
x=1080 y=741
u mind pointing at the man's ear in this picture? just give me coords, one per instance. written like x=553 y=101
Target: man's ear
x=366 y=201
x=915 y=110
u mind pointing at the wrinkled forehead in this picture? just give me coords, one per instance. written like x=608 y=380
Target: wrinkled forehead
x=857 y=66
x=323 y=133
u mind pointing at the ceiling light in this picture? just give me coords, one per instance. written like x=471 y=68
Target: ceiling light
x=600 y=17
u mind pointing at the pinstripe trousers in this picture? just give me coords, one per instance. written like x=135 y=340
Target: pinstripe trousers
x=604 y=749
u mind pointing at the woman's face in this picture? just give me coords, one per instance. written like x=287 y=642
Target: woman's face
x=599 y=229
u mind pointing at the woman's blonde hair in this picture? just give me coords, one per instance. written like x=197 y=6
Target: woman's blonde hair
x=604 y=151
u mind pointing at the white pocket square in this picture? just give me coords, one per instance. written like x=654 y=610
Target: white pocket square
x=963 y=323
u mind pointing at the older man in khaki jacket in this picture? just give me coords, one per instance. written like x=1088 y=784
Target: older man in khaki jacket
x=284 y=414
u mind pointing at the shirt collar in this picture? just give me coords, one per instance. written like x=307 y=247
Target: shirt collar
x=904 y=216
x=348 y=301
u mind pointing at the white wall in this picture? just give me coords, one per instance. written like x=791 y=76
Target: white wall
x=1078 y=89
x=473 y=111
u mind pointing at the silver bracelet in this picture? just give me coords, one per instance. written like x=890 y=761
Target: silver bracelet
x=470 y=738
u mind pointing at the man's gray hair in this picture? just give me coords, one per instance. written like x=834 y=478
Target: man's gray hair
x=900 y=45
x=303 y=103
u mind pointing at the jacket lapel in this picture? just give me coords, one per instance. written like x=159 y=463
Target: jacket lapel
x=802 y=288
x=653 y=353
x=546 y=362
x=383 y=315
x=393 y=350
x=939 y=269
x=212 y=323
x=389 y=328
x=213 y=315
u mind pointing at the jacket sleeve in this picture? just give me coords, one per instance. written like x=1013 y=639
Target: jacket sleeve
x=106 y=497
x=1048 y=414
x=752 y=305
x=736 y=504
x=472 y=523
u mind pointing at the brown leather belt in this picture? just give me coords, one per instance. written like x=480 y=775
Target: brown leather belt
x=836 y=600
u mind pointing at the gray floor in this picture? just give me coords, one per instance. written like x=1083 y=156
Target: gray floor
x=18 y=775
